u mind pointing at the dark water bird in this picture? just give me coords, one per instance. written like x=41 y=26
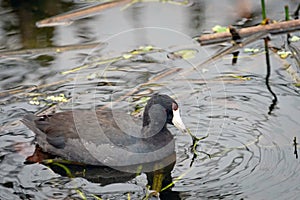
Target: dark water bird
x=109 y=137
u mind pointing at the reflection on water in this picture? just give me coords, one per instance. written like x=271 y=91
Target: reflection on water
x=158 y=179
x=19 y=22
x=252 y=152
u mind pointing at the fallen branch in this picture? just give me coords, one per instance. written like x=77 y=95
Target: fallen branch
x=231 y=49
x=68 y=18
x=57 y=49
x=275 y=28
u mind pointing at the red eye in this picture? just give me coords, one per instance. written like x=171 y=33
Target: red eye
x=174 y=106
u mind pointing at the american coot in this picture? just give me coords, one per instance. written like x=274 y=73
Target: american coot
x=95 y=137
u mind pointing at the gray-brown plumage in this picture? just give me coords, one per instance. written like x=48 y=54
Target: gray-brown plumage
x=108 y=137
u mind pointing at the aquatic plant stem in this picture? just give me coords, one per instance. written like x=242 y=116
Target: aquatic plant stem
x=286 y=11
x=296 y=13
x=263 y=10
x=274 y=101
x=295 y=147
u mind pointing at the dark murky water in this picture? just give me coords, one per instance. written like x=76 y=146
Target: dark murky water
x=252 y=151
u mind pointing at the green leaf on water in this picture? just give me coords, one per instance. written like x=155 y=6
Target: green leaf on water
x=297 y=84
x=284 y=54
x=92 y=76
x=127 y=56
x=295 y=38
x=59 y=98
x=220 y=29
x=144 y=99
x=34 y=101
x=147 y=48
x=240 y=77
x=142 y=49
x=183 y=54
x=251 y=50
x=43 y=99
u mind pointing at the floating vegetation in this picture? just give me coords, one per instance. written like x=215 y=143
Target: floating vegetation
x=48 y=100
x=34 y=101
x=183 y=54
x=252 y=50
x=283 y=54
x=220 y=29
x=294 y=38
x=140 y=104
x=59 y=98
x=48 y=50
x=125 y=56
x=244 y=78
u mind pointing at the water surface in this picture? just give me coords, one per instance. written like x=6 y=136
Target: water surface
x=251 y=148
